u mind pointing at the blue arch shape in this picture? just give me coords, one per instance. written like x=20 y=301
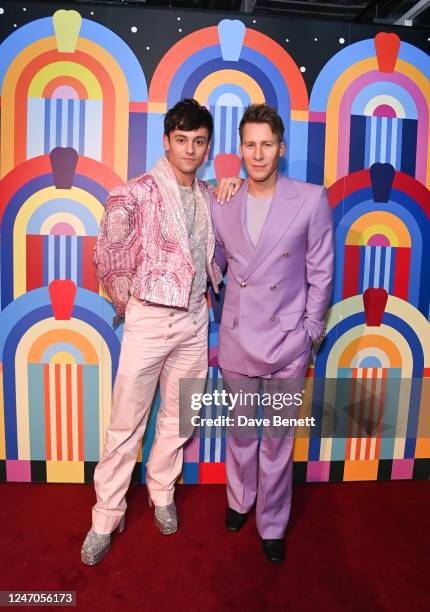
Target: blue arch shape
x=418 y=58
x=14 y=205
x=62 y=205
x=115 y=45
x=93 y=31
x=229 y=88
x=22 y=38
x=282 y=92
x=359 y=319
x=334 y=68
x=202 y=57
x=63 y=347
x=246 y=67
x=386 y=88
x=187 y=68
x=88 y=184
x=188 y=88
x=320 y=376
x=370 y=362
x=406 y=209
x=25 y=312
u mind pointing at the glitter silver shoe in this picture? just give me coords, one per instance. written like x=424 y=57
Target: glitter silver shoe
x=97 y=545
x=166 y=518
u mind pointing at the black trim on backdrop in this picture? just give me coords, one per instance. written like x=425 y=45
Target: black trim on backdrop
x=299 y=471
x=421 y=469
x=384 y=469
x=38 y=471
x=336 y=471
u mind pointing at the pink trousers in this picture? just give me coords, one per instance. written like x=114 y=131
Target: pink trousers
x=162 y=343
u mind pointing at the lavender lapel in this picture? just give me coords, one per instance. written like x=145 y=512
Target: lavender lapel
x=285 y=205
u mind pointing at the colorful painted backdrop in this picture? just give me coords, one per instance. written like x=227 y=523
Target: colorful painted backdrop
x=81 y=111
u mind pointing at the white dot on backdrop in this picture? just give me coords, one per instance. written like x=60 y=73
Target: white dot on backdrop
x=178 y=18
x=315 y=39
x=92 y=13
x=341 y=40
x=147 y=48
x=180 y=30
x=287 y=40
x=15 y=25
x=1 y=11
x=24 y=9
x=254 y=21
x=302 y=69
x=133 y=29
x=428 y=38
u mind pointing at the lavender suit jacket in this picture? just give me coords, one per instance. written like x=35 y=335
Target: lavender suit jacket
x=277 y=291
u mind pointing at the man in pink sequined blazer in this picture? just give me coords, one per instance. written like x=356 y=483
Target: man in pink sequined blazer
x=153 y=256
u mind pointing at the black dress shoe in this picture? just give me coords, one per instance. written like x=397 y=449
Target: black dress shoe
x=235 y=520
x=275 y=550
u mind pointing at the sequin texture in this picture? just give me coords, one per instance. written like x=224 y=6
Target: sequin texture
x=197 y=228
x=143 y=249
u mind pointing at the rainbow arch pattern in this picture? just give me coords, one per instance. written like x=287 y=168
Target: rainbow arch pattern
x=79 y=117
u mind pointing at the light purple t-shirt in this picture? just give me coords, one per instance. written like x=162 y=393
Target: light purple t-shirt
x=255 y=216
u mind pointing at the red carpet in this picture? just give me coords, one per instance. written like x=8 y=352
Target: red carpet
x=350 y=546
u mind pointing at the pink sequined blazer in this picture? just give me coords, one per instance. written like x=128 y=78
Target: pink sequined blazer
x=142 y=247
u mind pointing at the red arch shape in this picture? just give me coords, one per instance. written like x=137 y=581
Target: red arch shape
x=65 y=80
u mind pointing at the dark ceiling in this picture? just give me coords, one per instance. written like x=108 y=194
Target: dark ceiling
x=403 y=12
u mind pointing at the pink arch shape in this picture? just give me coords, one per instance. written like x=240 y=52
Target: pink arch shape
x=378 y=240
x=62 y=229
x=384 y=110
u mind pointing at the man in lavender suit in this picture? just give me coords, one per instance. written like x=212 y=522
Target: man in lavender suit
x=276 y=236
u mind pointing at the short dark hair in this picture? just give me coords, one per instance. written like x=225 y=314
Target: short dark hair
x=188 y=115
x=262 y=113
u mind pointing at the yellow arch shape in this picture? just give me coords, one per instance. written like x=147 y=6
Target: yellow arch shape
x=396 y=306
x=20 y=227
x=63 y=357
x=378 y=222
x=369 y=341
x=205 y=88
x=357 y=335
x=335 y=99
x=382 y=229
x=71 y=336
x=69 y=69
x=21 y=361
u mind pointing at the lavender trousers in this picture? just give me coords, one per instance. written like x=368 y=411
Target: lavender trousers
x=163 y=343
x=261 y=470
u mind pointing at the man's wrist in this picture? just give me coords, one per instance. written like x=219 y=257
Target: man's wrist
x=313 y=326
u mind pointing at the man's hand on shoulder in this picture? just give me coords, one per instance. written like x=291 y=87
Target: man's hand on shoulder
x=227 y=187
